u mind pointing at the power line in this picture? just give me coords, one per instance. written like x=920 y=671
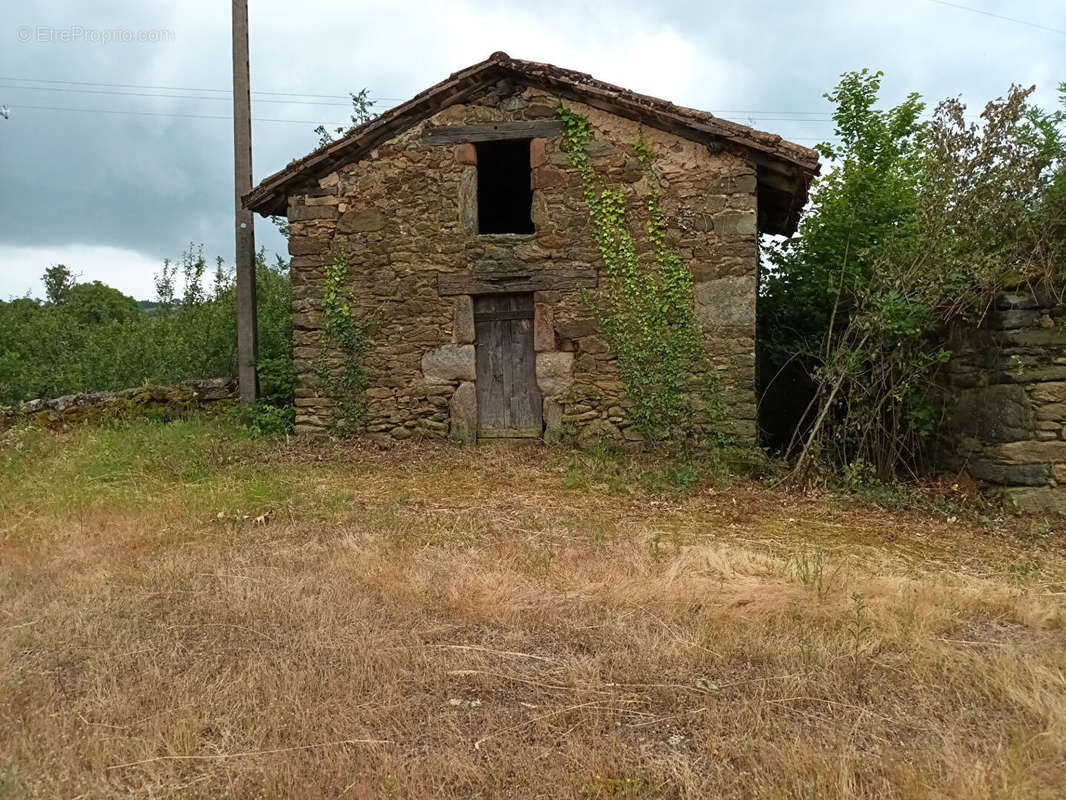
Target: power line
x=825 y=117
x=743 y=114
x=187 y=88
x=999 y=16
x=262 y=119
x=374 y=100
x=175 y=96
x=172 y=114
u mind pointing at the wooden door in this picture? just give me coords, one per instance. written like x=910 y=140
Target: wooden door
x=508 y=399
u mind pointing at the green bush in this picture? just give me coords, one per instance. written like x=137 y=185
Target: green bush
x=915 y=225
x=265 y=419
x=91 y=337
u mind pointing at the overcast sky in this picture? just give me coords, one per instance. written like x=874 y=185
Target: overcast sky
x=111 y=194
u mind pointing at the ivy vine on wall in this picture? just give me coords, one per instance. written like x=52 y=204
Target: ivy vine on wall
x=647 y=312
x=345 y=335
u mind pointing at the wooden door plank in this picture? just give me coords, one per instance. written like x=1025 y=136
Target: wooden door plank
x=507 y=304
x=489 y=385
x=526 y=401
x=509 y=401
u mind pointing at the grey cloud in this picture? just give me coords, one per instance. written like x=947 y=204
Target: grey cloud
x=152 y=183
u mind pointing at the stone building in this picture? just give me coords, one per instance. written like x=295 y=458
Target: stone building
x=467 y=242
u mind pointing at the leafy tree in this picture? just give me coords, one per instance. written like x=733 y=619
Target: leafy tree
x=164 y=286
x=96 y=303
x=914 y=226
x=58 y=280
x=864 y=205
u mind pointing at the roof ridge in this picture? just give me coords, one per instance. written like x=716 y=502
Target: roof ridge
x=794 y=161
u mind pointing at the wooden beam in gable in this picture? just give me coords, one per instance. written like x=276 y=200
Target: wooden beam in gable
x=492 y=132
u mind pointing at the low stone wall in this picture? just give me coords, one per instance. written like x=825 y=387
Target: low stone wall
x=60 y=412
x=1006 y=422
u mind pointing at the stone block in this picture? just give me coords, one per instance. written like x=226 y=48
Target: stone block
x=468 y=200
x=599 y=148
x=462 y=410
x=593 y=344
x=726 y=302
x=535 y=111
x=1010 y=474
x=1039 y=500
x=555 y=373
x=596 y=433
x=1015 y=318
x=448 y=363
x=633 y=171
x=1034 y=374
x=299 y=213
x=361 y=221
x=1032 y=338
x=735 y=223
x=744 y=184
x=575 y=328
x=543 y=328
x=1054 y=412
x=553 y=420
x=463 y=319
x=548 y=178
x=1000 y=413
x=307 y=245
x=1031 y=452
x=703 y=271
x=466 y=153
x=537 y=155
x=1050 y=392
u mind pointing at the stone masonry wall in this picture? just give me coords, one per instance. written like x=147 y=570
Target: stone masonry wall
x=202 y=395
x=409 y=213
x=1006 y=420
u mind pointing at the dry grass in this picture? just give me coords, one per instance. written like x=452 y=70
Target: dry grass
x=438 y=622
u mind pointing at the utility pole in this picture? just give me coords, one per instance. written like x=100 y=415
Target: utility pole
x=247 y=336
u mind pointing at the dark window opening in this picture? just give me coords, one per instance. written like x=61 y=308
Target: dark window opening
x=504 y=195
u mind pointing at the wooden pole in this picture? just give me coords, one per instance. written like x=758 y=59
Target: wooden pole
x=247 y=344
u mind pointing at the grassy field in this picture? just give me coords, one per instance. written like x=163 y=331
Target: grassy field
x=188 y=612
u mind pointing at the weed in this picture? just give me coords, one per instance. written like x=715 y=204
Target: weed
x=633 y=785
x=810 y=569
x=265 y=419
x=859 y=628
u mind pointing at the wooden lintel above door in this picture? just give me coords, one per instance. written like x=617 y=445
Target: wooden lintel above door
x=539 y=280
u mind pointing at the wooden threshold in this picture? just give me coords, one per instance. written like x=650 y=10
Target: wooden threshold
x=511 y=433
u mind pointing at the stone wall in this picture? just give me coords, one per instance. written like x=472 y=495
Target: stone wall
x=1006 y=422
x=407 y=218
x=59 y=412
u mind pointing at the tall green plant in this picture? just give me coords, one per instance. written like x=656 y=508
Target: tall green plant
x=344 y=342
x=646 y=312
x=915 y=225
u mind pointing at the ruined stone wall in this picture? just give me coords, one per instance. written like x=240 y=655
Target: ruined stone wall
x=201 y=395
x=408 y=214
x=1006 y=421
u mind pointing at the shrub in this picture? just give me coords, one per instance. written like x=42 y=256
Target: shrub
x=914 y=225
x=91 y=337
